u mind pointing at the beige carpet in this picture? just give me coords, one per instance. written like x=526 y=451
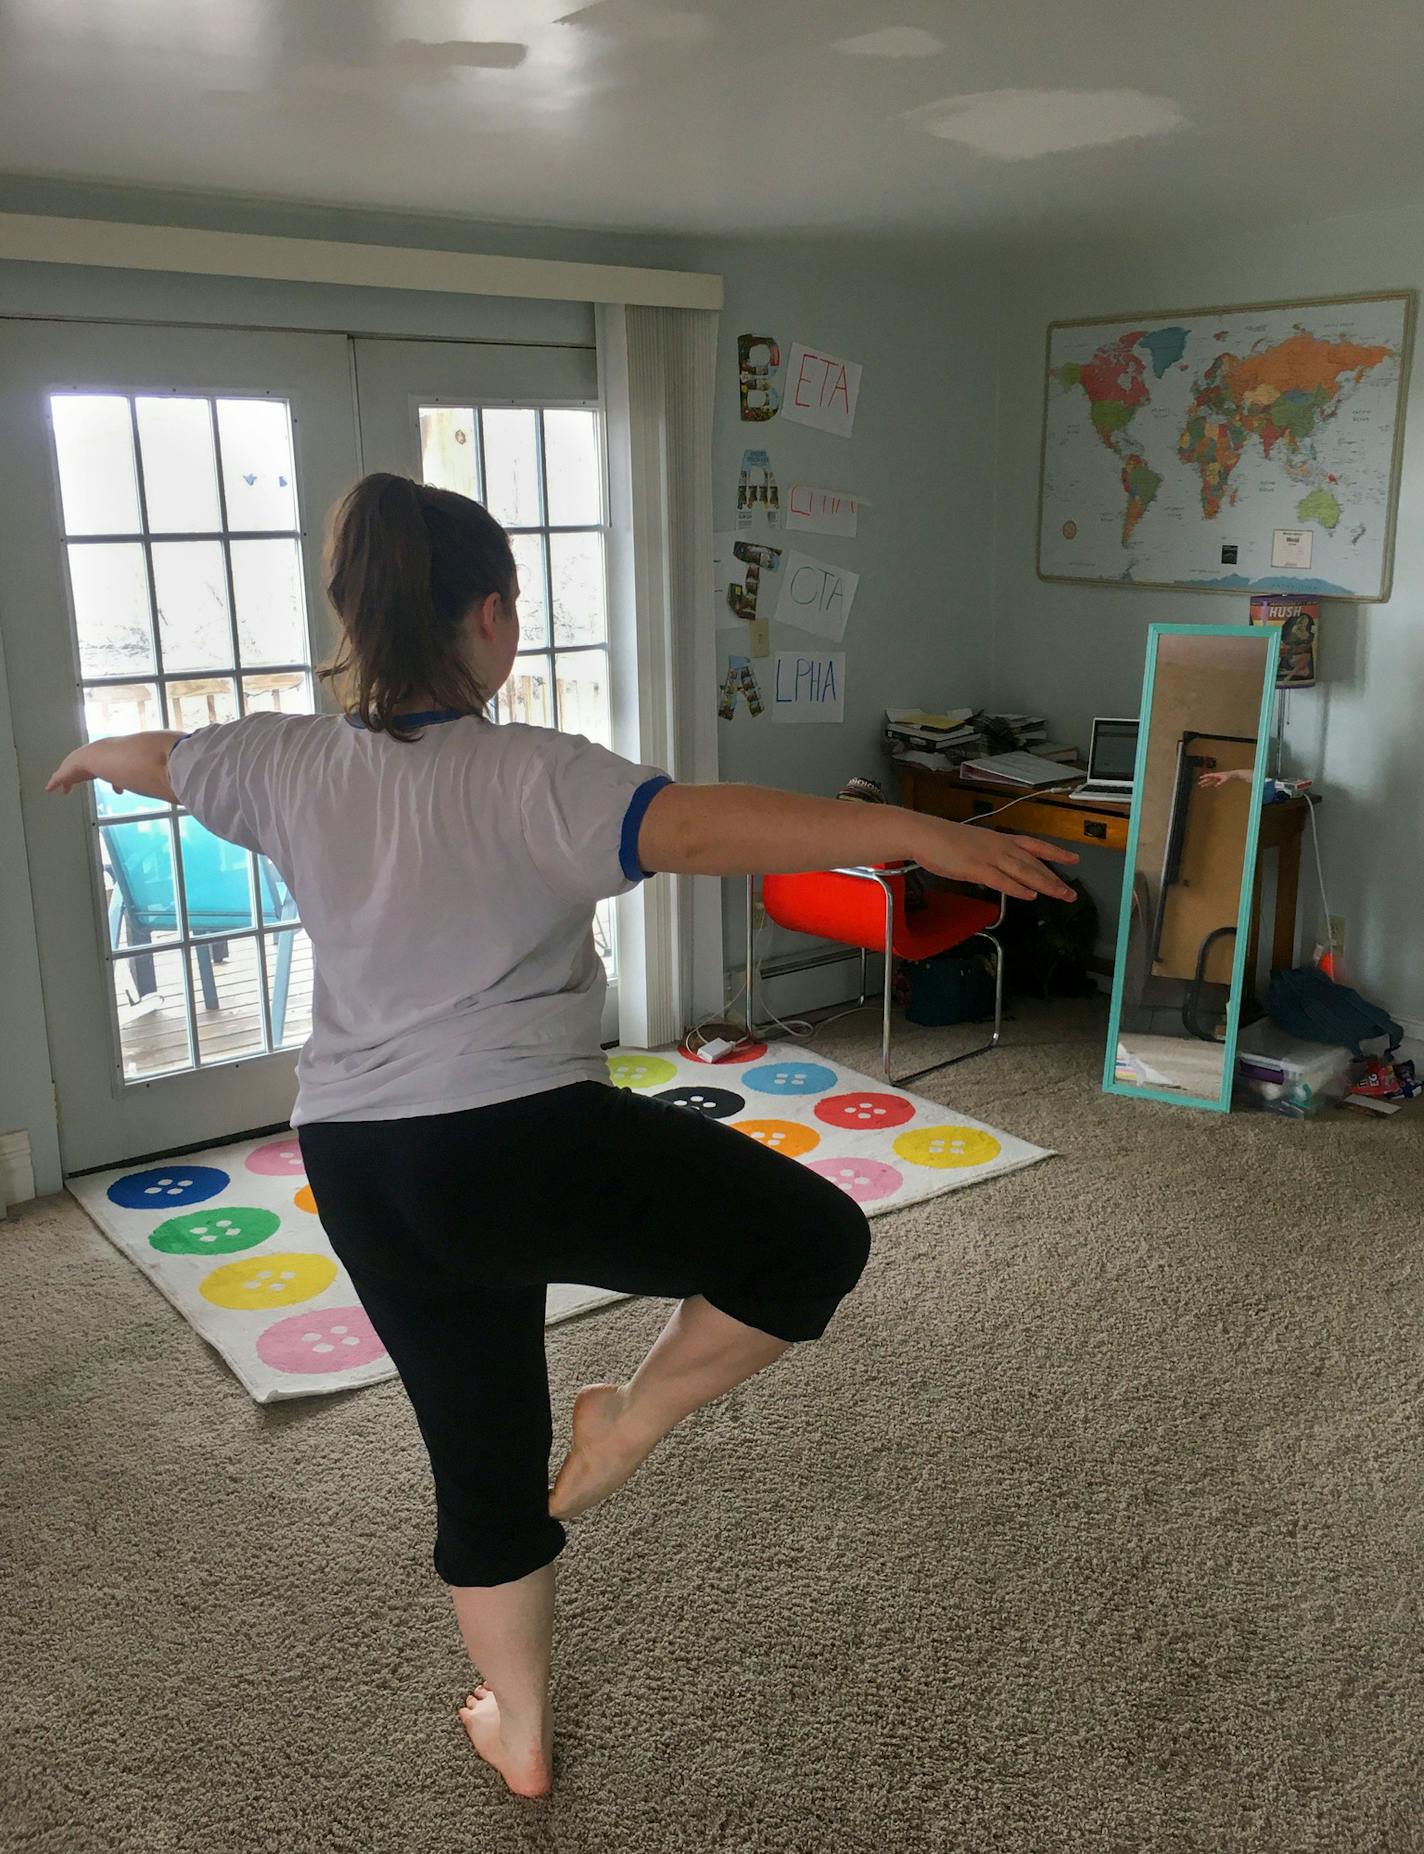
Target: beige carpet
x=1094 y=1525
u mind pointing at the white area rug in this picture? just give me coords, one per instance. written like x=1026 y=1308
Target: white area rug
x=231 y=1237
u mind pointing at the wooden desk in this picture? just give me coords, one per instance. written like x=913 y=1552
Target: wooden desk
x=1104 y=825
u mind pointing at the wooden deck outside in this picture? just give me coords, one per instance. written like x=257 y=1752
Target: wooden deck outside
x=154 y=1035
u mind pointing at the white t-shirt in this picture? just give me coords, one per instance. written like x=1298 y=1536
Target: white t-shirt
x=447 y=885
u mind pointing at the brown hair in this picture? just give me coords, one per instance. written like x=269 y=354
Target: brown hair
x=404 y=564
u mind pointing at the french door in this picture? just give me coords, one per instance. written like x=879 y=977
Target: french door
x=161 y=502
x=162 y=499
x=519 y=430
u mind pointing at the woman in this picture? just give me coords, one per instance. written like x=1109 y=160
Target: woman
x=459 y=1131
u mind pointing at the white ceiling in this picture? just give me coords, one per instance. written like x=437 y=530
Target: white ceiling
x=1024 y=116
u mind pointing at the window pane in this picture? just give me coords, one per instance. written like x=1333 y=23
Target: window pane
x=449 y=458
x=571 y=467
x=227 y=991
x=277 y=901
x=121 y=708
x=190 y=586
x=93 y=441
x=217 y=881
x=109 y=584
x=137 y=861
x=201 y=701
x=533 y=593
x=267 y=585
x=152 y=1009
x=285 y=692
x=289 y=986
x=576 y=565
x=512 y=466
x=605 y=937
x=180 y=478
x=256 y=436
x=527 y=694
x=583 y=695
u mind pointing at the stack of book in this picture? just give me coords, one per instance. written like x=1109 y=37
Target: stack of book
x=933 y=740
x=945 y=740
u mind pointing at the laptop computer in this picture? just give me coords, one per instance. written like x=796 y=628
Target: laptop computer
x=1112 y=759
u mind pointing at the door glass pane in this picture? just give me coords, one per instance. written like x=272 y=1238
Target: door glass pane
x=512 y=466
x=190 y=586
x=139 y=895
x=201 y=701
x=152 y=1009
x=527 y=696
x=533 y=593
x=571 y=465
x=258 y=479
x=267 y=588
x=93 y=441
x=289 y=987
x=180 y=478
x=604 y=929
x=121 y=708
x=283 y=692
x=449 y=456
x=583 y=695
x=217 y=881
x=109 y=586
x=576 y=566
x=227 y=995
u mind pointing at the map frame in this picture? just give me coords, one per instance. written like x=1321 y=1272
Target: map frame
x=1408 y=298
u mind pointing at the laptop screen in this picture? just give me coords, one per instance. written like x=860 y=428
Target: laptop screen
x=1114 y=753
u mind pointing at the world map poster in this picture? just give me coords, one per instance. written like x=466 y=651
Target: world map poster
x=1253 y=449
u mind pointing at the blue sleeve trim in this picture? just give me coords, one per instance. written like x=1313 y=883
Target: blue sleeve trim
x=633 y=823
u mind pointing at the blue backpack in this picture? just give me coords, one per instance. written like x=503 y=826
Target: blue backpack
x=1305 y=1003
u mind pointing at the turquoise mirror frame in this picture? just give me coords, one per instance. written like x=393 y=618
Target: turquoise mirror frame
x=1176 y=1097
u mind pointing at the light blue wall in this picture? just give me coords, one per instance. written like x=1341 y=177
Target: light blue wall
x=1078 y=651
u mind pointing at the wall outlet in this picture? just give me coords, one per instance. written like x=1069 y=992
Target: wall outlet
x=1337 y=932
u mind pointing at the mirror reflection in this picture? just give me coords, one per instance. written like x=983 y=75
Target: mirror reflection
x=1177 y=992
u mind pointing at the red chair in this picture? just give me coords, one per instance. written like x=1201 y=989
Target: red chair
x=865 y=908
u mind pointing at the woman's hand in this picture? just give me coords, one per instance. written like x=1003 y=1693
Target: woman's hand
x=1016 y=866
x=76 y=768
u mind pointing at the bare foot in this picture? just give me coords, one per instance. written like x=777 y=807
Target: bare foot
x=525 y=1764
x=602 y=1454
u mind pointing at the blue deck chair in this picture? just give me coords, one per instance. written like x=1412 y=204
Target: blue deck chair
x=219 y=900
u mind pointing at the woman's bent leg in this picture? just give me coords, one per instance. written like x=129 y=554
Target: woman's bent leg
x=700 y=1355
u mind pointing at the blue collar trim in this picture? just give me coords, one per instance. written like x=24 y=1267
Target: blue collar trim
x=433 y=717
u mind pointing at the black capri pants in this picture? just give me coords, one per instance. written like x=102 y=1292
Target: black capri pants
x=451 y=1227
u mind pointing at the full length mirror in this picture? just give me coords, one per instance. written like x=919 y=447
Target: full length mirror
x=1191 y=857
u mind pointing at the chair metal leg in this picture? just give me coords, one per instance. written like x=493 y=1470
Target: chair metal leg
x=864 y=968
x=982 y=1048
x=282 y=982
x=889 y=980
x=751 y=958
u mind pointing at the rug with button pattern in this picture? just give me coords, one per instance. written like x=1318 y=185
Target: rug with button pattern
x=231 y=1236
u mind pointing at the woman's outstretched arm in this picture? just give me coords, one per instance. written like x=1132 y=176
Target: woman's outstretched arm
x=753 y=830
x=128 y=762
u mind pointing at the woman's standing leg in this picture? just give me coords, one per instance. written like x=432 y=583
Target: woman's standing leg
x=471 y=1358
x=509 y=1632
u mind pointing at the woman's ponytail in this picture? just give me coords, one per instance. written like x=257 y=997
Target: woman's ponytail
x=405 y=563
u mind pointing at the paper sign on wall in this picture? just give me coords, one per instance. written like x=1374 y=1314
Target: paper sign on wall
x=820 y=511
x=808 y=686
x=821 y=390
x=816 y=595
